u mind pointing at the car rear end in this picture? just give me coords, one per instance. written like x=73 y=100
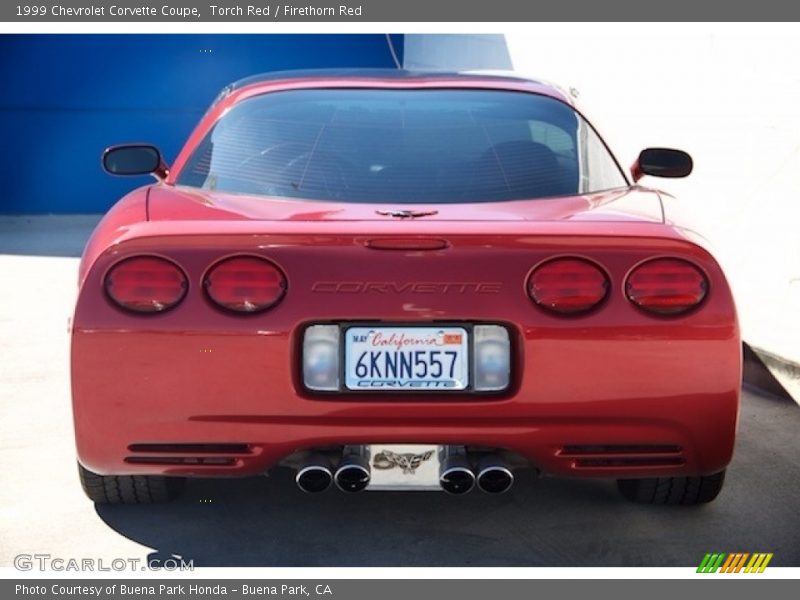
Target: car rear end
x=571 y=374
x=406 y=292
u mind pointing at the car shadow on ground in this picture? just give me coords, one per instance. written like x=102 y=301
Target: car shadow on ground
x=268 y=521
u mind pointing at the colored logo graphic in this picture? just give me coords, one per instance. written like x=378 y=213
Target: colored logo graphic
x=735 y=563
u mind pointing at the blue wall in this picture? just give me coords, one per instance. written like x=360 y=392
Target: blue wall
x=64 y=98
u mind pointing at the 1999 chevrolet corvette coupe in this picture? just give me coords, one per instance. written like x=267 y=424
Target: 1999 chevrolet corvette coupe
x=404 y=281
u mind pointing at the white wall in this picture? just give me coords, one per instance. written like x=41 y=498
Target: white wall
x=729 y=95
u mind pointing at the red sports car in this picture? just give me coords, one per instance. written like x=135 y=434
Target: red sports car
x=406 y=281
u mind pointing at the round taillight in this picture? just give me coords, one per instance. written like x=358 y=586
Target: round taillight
x=568 y=285
x=666 y=286
x=146 y=284
x=245 y=284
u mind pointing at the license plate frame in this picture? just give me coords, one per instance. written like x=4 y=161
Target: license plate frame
x=426 y=329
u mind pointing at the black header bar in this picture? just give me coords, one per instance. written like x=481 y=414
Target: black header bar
x=450 y=11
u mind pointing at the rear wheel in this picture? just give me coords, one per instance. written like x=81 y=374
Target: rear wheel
x=129 y=489
x=672 y=490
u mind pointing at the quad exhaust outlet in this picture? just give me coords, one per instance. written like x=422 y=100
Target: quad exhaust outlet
x=459 y=471
x=353 y=473
x=315 y=476
x=494 y=477
x=455 y=475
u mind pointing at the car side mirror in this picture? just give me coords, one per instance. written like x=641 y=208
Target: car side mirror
x=662 y=162
x=134 y=159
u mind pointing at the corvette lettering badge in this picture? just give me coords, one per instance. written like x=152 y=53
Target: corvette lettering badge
x=386 y=459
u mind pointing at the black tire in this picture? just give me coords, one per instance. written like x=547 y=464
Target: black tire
x=129 y=489
x=672 y=490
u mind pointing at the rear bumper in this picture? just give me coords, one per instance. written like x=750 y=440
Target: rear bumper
x=610 y=405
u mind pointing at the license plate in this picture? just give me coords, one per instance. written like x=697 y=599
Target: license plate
x=406 y=358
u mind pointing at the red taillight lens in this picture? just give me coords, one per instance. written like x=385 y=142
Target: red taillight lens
x=666 y=286
x=245 y=284
x=146 y=284
x=568 y=285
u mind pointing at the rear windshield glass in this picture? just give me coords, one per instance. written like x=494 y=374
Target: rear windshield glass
x=402 y=146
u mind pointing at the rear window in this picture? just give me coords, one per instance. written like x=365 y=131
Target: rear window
x=402 y=146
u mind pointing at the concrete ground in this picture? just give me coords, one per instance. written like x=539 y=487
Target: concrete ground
x=267 y=521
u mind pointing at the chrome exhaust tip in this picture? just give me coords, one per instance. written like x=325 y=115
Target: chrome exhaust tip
x=493 y=476
x=353 y=473
x=314 y=477
x=455 y=475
